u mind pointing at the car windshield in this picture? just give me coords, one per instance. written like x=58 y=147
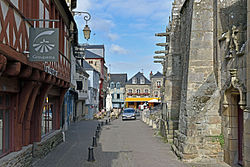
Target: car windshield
x=129 y=111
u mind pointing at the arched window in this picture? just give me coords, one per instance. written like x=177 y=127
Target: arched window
x=138 y=91
x=146 y=90
x=156 y=94
x=130 y=91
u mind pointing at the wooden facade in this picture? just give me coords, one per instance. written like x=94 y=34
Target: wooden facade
x=25 y=83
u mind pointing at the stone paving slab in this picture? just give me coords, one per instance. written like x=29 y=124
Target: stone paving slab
x=121 y=144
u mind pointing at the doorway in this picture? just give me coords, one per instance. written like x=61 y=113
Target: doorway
x=233 y=128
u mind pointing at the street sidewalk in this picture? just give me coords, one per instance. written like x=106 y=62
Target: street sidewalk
x=74 y=151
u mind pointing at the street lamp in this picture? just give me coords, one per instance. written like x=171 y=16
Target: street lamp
x=87 y=17
x=86 y=32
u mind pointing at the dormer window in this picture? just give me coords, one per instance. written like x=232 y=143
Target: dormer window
x=118 y=85
x=112 y=85
x=142 y=80
x=134 y=81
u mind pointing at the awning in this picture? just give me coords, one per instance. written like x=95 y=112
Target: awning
x=154 y=101
x=146 y=99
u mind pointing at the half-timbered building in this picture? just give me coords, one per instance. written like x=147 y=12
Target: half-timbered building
x=31 y=92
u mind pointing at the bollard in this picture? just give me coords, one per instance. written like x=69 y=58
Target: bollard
x=109 y=119
x=99 y=126
x=91 y=154
x=106 y=122
x=97 y=133
x=94 y=144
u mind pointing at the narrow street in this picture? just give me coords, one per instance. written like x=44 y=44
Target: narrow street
x=121 y=144
x=136 y=145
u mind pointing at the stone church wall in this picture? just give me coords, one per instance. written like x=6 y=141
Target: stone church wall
x=212 y=39
x=199 y=119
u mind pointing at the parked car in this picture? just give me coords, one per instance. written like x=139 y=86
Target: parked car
x=128 y=113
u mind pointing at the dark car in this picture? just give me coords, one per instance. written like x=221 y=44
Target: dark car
x=128 y=113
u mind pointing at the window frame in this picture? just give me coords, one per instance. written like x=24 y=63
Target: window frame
x=138 y=91
x=7 y=108
x=142 y=80
x=158 y=83
x=48 y=128
x=118 y=85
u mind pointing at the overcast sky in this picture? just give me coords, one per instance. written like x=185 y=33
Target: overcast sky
x=126 y=28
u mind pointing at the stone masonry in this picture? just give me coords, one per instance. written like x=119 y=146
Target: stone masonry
x=173 y=72
x=247 y=110
x=206 y=84
x=33 y=152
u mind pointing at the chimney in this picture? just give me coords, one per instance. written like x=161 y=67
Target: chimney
x=150 y=75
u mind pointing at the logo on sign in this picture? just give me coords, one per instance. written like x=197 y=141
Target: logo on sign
x=43 y=44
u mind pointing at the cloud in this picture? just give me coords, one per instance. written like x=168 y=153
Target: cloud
x=138 y=8
x=117 y=49
x=83 y=5
x=131 y=68
x=139 y=25
x=113 y=37
x=103 y=25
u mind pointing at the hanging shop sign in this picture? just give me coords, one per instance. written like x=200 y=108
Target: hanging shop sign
x=43 y=44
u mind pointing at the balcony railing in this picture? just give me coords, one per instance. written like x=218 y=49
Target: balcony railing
x=138 y=94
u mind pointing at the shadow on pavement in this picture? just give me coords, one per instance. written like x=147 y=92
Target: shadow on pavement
x=74 y=151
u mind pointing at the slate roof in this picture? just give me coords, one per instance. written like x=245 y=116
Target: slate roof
x=158 y=75
x=138 y=76
x=91 y=55
x=122 y=78
x=87 y=66
x=94 y=46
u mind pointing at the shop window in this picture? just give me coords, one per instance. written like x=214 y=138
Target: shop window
x=4 y=123
x=118 y=96
x=47 y=117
